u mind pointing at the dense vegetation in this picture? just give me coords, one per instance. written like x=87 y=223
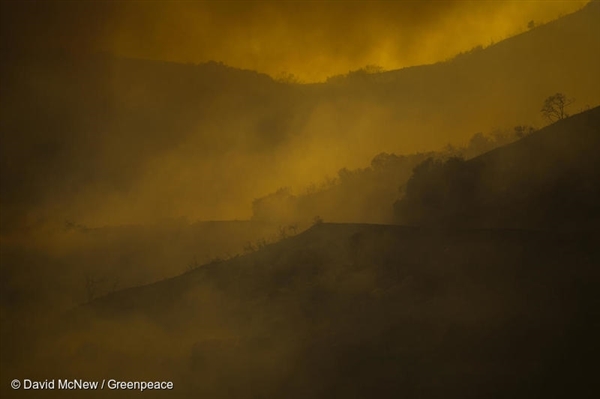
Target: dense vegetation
x=547 y=180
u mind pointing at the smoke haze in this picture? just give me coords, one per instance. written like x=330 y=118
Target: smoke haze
x=312 y=40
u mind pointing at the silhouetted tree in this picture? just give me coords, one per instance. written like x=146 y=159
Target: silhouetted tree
x=288 y=78
x=439 y=192
x=384 y=160
x=277 y=206
x=554 y=107
x=345 y=174
x=522 y=131
x=480 y=143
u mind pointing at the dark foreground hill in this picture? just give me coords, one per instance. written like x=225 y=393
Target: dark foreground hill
x=547 y=180
x=354 y=311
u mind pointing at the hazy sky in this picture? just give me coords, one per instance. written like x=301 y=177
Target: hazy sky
x=120 y=142
x=310 y=39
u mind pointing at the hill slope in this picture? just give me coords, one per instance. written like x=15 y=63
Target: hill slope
x=549 y=179
x=357 y=311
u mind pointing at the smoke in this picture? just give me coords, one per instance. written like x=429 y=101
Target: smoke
x=312 y=40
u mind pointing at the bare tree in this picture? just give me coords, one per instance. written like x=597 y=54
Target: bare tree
x=554 y=107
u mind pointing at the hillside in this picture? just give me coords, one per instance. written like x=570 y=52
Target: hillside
x=367 y=195
x=46 y=274
x=354 y=310
x=547 y=180
x=84 y=137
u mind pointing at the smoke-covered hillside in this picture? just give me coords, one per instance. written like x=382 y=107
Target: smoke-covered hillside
x=103 y=140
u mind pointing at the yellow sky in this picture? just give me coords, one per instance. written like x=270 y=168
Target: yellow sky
x=310 y=39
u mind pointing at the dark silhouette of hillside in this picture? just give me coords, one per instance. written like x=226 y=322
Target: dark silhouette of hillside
x=79 y=131
x=43 y=276
x=364 y=195
x=359 y=311
x=548 y=180
x=361 y=195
